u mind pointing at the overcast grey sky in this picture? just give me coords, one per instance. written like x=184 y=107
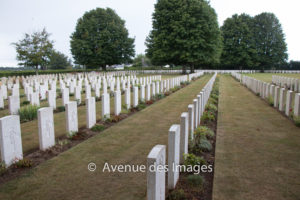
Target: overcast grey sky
x=60 y=16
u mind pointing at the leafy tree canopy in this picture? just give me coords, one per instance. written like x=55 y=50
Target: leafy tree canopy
x=184 y=33
x=253 y=42
x=101 y=39
x=34 y=50
x=59 y=60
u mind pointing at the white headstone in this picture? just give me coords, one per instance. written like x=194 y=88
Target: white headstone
x=288 y=102
x=105 y=106
x=11 y=141
x=90 y=104
x=142 y=96
x=14 y=104
x=156 y=175
x=117 y=102
x=71 y=117
x=297 y=105
x=35 y=99
x=173 y=155
x=191 y=120
x=52 y=98
x=184 y=135
x=127 y=98
x=195 y=113
x=46 y=128
x=135 y=96
x=65 y=96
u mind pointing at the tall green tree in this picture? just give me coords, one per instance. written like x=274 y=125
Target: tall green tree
x=184 y=33
x=270 y=41
x=34 y=50
x=239 y=51
x=59 y=60
x=101 y=39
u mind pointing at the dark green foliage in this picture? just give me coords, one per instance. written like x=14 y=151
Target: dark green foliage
x=141 y=106
x=28 y=113
x=60 y=108
x=297 y=121
x=98 y=128
x=205 y=145
x=59 y=60
x=23 y=163
x=34 y=50
x=25 y=102
x=270 y=100
x=207 y=116
x=211 y=107
x=203 y=132
x=2 y=168
x=270 y=41
x=101 y=39
x=239 y=50
x=195 y=180
x=184 y=33
x=177 y=195
x=253 y=42
x=192 y=160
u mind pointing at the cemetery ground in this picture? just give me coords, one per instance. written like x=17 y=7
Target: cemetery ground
x=29 y=129
x=257 y=149
x=128 y=142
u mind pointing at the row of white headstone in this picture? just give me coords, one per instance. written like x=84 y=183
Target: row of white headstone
x=10 y=131
x=287 y=82
x=281 y=96
x=42 y=92
x=177 y=147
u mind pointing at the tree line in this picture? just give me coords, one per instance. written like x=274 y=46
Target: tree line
x=184 y=33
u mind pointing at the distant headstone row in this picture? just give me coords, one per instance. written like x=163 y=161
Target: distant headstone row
x=10 y=131
x=287 y=82
x=281 y=97
x=177 y=146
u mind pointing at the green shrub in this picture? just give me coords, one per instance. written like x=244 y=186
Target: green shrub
x=204 y=132
x=60 y=108
x=205 y=145
x=2 y=168
x=63 y=142
x=98 y=128
x=211 y=107
x=71 y=134
x=296 y=121
x=25 y=103
x=195 y=180
x=212 y=101
x=141 y=106
x=28 y=113
x=23 y=163
x=177 y=195
x=207 y=116
x=214 y=96
x=192 y=160
x=270 y=100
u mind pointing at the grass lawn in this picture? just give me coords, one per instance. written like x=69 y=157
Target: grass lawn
x=267 y=77
x=257 y=149
x=128 y=142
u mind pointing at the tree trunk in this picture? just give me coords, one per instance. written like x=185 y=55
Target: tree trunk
x=184 y=69
x=192 y=68
x=36 y=70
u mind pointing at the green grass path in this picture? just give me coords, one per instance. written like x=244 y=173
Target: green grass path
x=128 y=142
x=257 y=149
